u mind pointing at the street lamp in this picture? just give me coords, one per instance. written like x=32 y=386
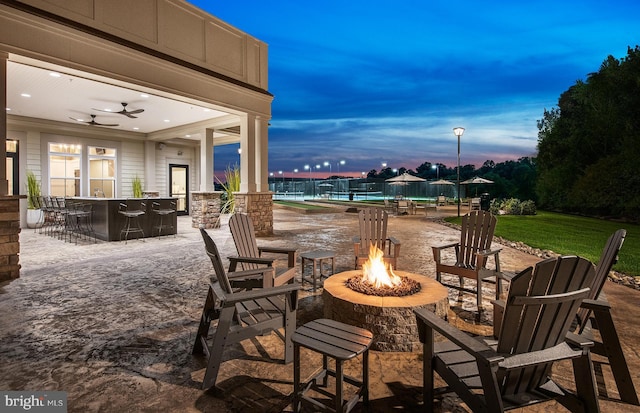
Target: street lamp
x=458 y=132
x=342 y=162
x=327 y=163
x=437 y=171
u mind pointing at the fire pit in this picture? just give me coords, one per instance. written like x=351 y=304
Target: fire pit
x=382 y=301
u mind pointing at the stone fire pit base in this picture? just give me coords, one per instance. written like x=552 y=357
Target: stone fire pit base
x=390 y=319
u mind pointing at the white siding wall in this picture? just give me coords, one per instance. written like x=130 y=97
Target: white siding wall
x=131 y=164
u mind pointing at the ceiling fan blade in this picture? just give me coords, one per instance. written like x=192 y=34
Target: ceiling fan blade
x=77 y=120
x=127 y=114
x=103 y=124
x=102 y=110
x=135 y=111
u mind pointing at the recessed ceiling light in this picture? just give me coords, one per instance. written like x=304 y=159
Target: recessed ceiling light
x=144 y=95
x=187 y=136
x=55 y=74
x=8 y=108
x=25 y=95
x=167 y=120
x=136 y=128
x=206 y=110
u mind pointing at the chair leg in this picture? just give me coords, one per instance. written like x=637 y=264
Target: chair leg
x=586 y=383
x=217 y=348
x=613 y=351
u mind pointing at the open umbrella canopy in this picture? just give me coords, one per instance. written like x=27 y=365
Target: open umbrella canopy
x=476 y=180
x=399 y=183
x=405 y=177
x=441 y=182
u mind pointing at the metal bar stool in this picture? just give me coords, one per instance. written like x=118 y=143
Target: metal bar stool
x=132 y=220
x=163 y=214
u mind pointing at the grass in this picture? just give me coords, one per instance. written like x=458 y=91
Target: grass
x=570 y=234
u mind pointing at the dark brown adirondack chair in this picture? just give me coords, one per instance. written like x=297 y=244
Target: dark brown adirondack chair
x=242 y=313
x=250 y=254
x=595 y=314
x=514 y=372
x=472 y=253
x=373 y=231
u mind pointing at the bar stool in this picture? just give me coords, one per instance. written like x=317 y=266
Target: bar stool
x=163 y=214
x=132 y=219
x=341 y=342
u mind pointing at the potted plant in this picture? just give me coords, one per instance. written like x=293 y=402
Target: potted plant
x=137 y=187
x=34 y=213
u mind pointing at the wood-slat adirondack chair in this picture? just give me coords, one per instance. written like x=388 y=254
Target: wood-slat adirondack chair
x=242 y=313
x=373 y=231
x=595 y=314
x=515 y=371
x=250 y=254
x=472 y=253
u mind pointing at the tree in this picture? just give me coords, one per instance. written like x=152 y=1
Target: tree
x=588 y=147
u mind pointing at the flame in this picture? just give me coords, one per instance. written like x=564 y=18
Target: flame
x=378 y=273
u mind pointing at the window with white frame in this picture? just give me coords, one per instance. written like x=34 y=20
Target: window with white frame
x=102 y=171
x=64 y=169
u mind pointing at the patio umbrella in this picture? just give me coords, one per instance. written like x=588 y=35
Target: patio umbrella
x=441 y=182
x=476 y=180
x=404 y=179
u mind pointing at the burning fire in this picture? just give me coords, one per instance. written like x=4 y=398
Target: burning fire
x=378 y=273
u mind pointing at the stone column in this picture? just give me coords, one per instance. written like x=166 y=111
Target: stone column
x=10 y=237
x=205 y=209
x=259 y=206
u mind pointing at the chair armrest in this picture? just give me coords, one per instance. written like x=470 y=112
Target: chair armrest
x=488 y=253
x=578 y=340
x=441 y=247
x=590 y=304
x=234 y=260
x=232 y=299
x=393 y=240
x=559 y=352
x=474 y=347
x=290 y=252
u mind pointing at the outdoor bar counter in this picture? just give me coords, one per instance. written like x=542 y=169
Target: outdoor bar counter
x=107 y=221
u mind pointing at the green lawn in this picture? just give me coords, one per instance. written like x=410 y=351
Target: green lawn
x=569 y=234
x=300 y=205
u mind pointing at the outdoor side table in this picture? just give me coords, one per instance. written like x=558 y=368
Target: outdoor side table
x=316 y=257
x=341 y=342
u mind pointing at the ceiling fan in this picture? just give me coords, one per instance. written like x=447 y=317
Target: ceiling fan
x=93 y=122
x=124 y=111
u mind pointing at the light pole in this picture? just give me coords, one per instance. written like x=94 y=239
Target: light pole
x=458 y=132
x=327 y=163
x=342 y=162
x=437 y=171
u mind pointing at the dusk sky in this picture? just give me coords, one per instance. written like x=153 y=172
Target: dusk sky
x=378 y=81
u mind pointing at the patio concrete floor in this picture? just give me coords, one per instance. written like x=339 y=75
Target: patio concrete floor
x=112 y=324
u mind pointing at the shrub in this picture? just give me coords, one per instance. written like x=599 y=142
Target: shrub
x=512 y=206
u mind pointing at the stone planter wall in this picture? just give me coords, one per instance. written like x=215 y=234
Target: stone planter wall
x=10 y=237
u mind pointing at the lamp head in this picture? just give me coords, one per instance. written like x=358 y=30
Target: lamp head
x=458 y=131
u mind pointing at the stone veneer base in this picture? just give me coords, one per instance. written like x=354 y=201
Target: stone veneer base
x=390 y=319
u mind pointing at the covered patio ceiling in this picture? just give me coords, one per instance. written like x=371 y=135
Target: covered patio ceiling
x=41 y=90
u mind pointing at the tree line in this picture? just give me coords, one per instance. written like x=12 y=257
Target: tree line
x=589 y=146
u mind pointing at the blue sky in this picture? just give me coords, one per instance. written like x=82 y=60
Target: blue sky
x=381 y=81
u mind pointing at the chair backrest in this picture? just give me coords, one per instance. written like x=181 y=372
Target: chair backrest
x=373 y=228
x=476 y=235
x=608 y=258
x=540 y=308
x=244 y=237
x=214 y=256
